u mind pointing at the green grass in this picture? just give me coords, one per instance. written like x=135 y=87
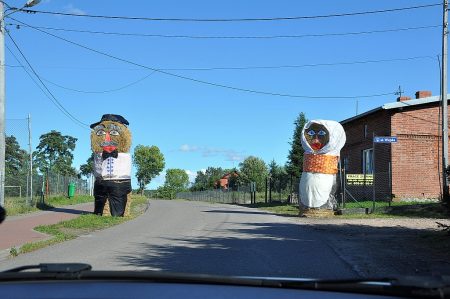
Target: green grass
x=84 y=224
x=17 y=206
x=369 y=203
x=426 y=209
x=434 y=210
x=282 y=209
x=64 y=200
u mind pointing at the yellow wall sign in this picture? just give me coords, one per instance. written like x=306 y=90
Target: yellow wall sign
x=359 y=179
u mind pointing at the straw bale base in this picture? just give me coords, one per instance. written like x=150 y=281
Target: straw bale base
x=315 y=212
x=107 y=212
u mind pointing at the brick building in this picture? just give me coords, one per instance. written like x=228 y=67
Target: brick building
x=409 y=168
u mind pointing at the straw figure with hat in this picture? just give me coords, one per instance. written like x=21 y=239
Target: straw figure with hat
x=111 y=142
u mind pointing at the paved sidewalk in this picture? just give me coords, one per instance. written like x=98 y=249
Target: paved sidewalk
x=18 y=230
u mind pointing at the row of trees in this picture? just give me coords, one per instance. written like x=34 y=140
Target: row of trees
x=54 y=153
x=254 y=169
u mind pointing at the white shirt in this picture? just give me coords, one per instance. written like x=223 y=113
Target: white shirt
x=113 y=168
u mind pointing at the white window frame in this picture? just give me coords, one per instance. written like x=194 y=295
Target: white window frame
x=367 y=161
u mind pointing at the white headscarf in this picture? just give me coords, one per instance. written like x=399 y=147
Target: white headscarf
x=336 y=141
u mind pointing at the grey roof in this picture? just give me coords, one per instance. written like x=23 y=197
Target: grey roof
x=395 y=105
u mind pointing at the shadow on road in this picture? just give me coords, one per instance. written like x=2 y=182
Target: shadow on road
x=236 y=212
x=299 y=250
x=69 y=211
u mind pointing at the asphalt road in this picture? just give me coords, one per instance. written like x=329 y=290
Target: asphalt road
x=197 y=237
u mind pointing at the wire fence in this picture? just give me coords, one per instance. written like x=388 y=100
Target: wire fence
x=351 y=188
x=23 y=186
x=231 y=197
x=18 y=188
x=275 y=191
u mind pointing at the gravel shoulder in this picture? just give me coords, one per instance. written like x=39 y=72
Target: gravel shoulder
x=387 y=246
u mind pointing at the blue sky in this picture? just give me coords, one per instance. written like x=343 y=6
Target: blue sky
x=199 y=125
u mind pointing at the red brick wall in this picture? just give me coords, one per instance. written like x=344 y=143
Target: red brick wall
x=415 y=165
x=377 y=123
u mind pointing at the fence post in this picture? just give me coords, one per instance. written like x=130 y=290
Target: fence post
x=265 y=191
x=373 y=170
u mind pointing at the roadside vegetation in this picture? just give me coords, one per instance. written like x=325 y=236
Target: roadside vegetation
x=16 y=205
x=84 y=224
x=435 y=210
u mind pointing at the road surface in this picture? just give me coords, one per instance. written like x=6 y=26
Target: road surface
x=197 y=237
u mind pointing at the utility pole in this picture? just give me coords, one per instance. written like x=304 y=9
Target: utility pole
x=29 y=3
x=30 y=149
x=2 y=105
x=445 y=194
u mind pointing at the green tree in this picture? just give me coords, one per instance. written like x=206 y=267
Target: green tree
x=254 y=169
x=88 y=168
x=16 y=159
x=16 y=166
x=207 y=180
x=177 y=180
x=55 y=153
x=200 y=182
x=149 y=162
x=294 y=165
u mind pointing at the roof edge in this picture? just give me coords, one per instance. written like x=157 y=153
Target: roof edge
x=396 y=105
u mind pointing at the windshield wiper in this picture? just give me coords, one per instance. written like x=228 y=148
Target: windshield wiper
x=53 y=268
x=409 y=286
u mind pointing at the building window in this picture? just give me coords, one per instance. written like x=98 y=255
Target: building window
x=365 y=131
x=345 y=162
x=367 y=161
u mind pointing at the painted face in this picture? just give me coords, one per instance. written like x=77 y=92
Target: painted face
x=317 y=136
x=109 y=136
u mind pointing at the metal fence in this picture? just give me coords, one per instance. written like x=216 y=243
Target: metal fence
x=25 y=185
x=18 y=188
x=275 y=191
x=357 y=188
x=231 y=197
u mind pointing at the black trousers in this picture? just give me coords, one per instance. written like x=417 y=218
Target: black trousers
x=115 y=191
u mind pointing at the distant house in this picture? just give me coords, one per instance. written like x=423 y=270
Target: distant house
x=409 y=168
x=223 y=182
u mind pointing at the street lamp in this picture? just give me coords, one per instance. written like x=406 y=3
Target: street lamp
x=10 y=11
x=31 y=3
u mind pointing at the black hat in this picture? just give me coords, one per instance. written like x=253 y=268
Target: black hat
x=112 y=117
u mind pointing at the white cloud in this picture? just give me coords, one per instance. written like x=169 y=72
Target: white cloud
x=158 y=181
x=192 y=175
x=188 y=148
x=74 y=10
x=228 y=154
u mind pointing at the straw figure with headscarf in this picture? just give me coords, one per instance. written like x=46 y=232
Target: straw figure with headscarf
x=322 y=141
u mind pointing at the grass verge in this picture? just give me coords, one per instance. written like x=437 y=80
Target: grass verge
x=434 y=210
x=282 y=209
x=17 y=206
x=84 y=224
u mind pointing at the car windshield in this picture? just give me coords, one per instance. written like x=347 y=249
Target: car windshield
x=299 y=139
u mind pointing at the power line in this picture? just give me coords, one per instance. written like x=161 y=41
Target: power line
x=232 y=37
x=233 y=19
x=202 y=81
x=51 y=97
x=238 y=68
x=100 y=91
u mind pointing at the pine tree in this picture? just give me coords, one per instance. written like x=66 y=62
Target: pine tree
x=294 y=164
